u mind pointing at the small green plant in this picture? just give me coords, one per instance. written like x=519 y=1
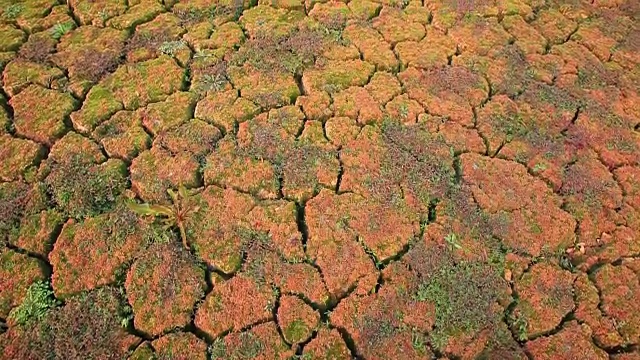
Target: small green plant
x=59 y=29
x=520 y=327
x=39 y=300
x=126 y=317
x=452 y=240
x=404 y=110
x=12 y=11
x=418 y=342
x=172 y=216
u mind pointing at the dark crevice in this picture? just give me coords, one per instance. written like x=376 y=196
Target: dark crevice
x=340 y=171
x=303 y=229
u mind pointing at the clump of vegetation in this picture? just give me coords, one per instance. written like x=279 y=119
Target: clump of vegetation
x=172 y=47
x=149 y=40
x=174 y=216
x=12 y=11
x=455 y=79
x=88 y=326
x=39 y=300
x=82 y=190
x=291 y=53
x=93 y=65
x=212 y=77
x=38 y=49
x=420 y=161
x=192 y=15
x=466 y=7
x=464 y=295
x=13 y=202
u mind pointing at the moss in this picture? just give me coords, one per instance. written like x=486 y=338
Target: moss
x=11 y=38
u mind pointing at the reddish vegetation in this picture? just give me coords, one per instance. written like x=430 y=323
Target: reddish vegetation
x=17 y=273
x=328 y=344
x=546 y=298
x=371 y=179
x=87 y=326
x=234 y=305
x=180 y=346
x=163 y=287
x=261 y=342
x=297 y=319
x=91 y=253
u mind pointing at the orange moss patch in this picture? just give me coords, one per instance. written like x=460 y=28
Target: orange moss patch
x=156 y=170
x=528 y=210
x=618 y=287
x=546 y=297
x=130 y=87
x=450 y=91
x=91 y=253
x=229 y=221
x=17 y=273
x=328 y=344
x=591 y=195
x=123 y=135
x=588 y=311
x=261 y=342
x=386 y=323
x=233 y=305
x=574 y=341
x=296 y=319
x=39 y=113
x=180 y=346
x=163 y=286
x=18 y=157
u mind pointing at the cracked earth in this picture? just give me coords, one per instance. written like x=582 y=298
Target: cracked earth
x=363 y=179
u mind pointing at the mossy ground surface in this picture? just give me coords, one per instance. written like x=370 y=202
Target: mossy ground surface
x=319 y=179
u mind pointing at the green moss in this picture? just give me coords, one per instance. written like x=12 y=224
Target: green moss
x=296 y=331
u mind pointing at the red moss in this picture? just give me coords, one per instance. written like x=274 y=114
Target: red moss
x=233 y=305
x=180 y=345
x=328 y=344
x=525 y=205
x=545 y=298
x=261 y=342
x=574 y=341
x=163 y=286
x=91 y=253
x=618 y=288
x=387 y=323
x=296 y=319
x=17 y=273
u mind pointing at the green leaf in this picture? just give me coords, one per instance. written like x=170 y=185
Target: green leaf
x=184 y=193
x=173 y=195
x=161 y=210
x=146 y=209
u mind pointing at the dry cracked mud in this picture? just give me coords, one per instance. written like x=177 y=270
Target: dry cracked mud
x=319 y=179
